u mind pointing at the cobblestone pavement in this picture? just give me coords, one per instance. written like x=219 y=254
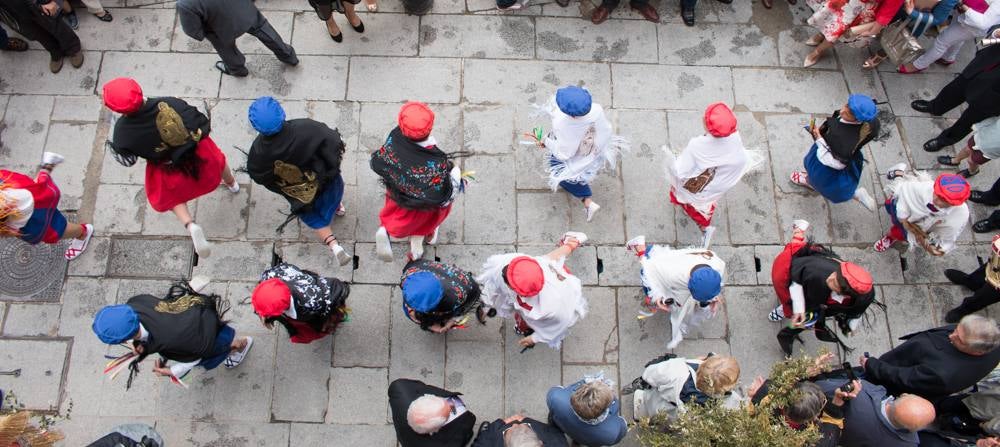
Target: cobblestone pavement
x=480 y=70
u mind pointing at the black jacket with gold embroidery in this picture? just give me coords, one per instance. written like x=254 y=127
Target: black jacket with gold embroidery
x=182 y=330
x=164 y=130
x=297 y=162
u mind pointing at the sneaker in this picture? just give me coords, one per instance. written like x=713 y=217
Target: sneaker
x=235 y=188
x=52 y=158
x=580 y=237
x=78 y=246
x=341 y=210
x=800 y=224
x=883 y=244
x=201 y=245
x=637 y=245
x=776 y=315
x=591 y=209
x=416 y=247
x=198 y=283
x=891 y=173
x=865 y=198
x=236 y=358
x=434 y=237
x=383 y=249
x=342 y=257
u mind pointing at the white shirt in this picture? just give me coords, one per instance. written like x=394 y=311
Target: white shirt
x=943 y=226
x=726 y=155
x=982 y=21
x=666 y=273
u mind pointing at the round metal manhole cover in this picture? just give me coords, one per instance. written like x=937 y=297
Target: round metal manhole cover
x=31 y=272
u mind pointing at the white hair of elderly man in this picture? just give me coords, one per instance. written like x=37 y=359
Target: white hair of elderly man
x=428 y=413
x=521 y=435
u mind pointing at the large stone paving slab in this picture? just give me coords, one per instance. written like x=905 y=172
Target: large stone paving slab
x=164 y=74
x=675 y=87
x=716 y=44
x=371 y=81
x=390 y=35
x=493 y=37
x=798 y=92
x=614 y=41
x=316 y=77
x=523 y=82
x=41 y=363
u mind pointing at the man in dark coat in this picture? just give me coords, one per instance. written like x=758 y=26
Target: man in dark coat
x=518 y=428
x=938 y=362
x=222 y=22
x=300 y=160
x=978 y=85
x=984 y=283
x=873 y=418
x=428 y=416
x=40 y=21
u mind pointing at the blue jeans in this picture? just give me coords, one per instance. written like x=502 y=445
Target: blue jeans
x=3 y=38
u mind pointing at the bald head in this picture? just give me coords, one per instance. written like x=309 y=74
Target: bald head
x=911 y=412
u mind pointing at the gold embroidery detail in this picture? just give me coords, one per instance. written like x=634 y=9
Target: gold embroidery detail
x=866 y=129
x=171 y=128
x=294 y=183
x=179 y=305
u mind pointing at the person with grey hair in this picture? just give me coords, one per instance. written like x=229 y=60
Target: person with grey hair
x=938 y=362
x=588 y=411
x=428 y=416
x=873 y=417
x=519 y=431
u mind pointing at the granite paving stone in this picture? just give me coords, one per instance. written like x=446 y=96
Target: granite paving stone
x=544 y=216
x=798 y=93
x=594 y=339
x=122 y=209
x=474 y=368
x=620 y=267
x=491 y=208
x=235 y=260
x=74 y=142
x=740 y=264
x=524 y=387
x=223 y=214
x=32 y=320
x=613 y=41
x=909 y=309
x=392 y=35
x=94 y=261
x=368 y=435
x=903 y=90
x=24 y=132
x=150 y=258
x=645 y=185
x=135 y=30
x=203 y=434
x=716 y=44
x=163 y=74
x=640 y=340
x=414 y=353
x=34 y=65
x=924 y=268
x=573 y=373
x=438 y=82
x=300 y=366
x=525 y=82
x=357 y=396
x=793 y=51
x=810 y=206
x=76 y=108
x=944 y=297
x=41 y=363
x=371 y=314
x=473 y=36
x=155 y=223
x=677 y=87
x=315 y=78
x=917 y=130
x=318 y=258
x=267 y=211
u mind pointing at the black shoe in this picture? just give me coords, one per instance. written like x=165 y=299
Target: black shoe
x=980 y=198
x=983 y=226
x=934 y=145
x=921 y=105
x=293 y=61
x=637 y=384
x=563 y=3
x=946 y=160
x=338 y=38
x=957 y=277
x=219 y=65
x=688 y=16
x=107 y=17
x=965 y=173
x=360 y=28
x=726 y=1
x=953 y=316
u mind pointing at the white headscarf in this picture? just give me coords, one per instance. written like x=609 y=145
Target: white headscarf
x=581 y=146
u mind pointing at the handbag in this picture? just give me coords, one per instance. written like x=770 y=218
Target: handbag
x=899 y=44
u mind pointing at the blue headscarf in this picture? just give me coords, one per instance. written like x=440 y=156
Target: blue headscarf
x=115 y=324
x=705 y=284
x=863 y=107
x=266 y=115
x=422 y=291
x=573 y=100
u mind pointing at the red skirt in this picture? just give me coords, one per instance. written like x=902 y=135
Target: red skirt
x=400 y=222
x=167 y=188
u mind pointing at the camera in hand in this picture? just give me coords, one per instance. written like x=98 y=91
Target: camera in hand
x=849 y=386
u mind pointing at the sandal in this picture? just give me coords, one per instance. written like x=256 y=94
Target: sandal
x=236 y=358
x=873 y=61
x=903 y=70
x=814 y=42
x=78 y=246
x=106 y=17
x=341 y=210
x=371 y=5
x=946 y=160
x=800 y=178
x=965 y=173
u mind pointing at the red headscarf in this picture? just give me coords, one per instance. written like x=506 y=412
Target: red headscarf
x=416 y=120
x=123 y=95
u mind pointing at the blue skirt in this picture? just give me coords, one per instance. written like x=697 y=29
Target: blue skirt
x=324 y=207
x=836 y=185
x=223 y=340
x=577 y=189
